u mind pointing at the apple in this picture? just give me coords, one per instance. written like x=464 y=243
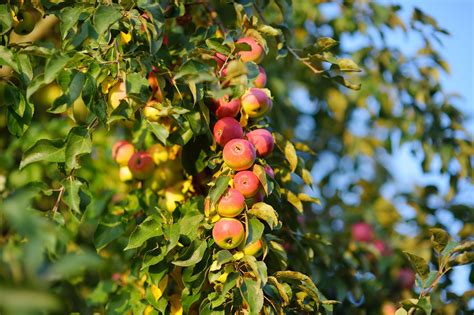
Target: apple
x=141 y=165
x=27 y=21
x=117 y=93
x=262 y=140
x=362 y=232
x=151 y=113
x=382 y=248
x=388 y=308
x=228 y=233
x=46 y=95
x=256 y=102
x=261 y=79
x=165 y=174
x=255 y=53
x=231 y=204
x=247 y=183
x=228 y=108
x=226 y=129
x=172 y=195
x=159 y=153
x=125 y=174
x=80 y=111
x=254 y=249
x=269 y=170
x=220 y=60
x=122 y=151
x=239 y=154
x=406 y=278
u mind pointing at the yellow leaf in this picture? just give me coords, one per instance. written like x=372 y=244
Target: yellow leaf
x=157 y=291
x=125 y=37
x=176 y=305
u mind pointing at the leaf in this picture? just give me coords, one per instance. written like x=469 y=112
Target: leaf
x=106 y=233
x=290 y=154
x=222 y=257
x=219 y=188
x=419 y=264
x=6 y=20
x=216 y=45
x=159 y=131
x=55 y=65
x=307 y=177
x=69 y=17
x=146 y=230
x=195 y=257
x=265 y=212
x=78 y=142
x=307 y=198
x=44 y=150
x=71 y=193
x=325 y=43
x=253 y=295
x=439 y=238
x=346 y=65
x=259 y=171
x=105 y=16
x=280 y=288
x=294 y=200
x=255 y=230
x=22 y=300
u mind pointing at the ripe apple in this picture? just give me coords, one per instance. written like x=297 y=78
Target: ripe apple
x=256 y=102
x=254 y=249
x=255 y=53
x=262 y=140
x=122 y=151
x=228 y=108
x=228 y=233
x=269 y=170
x=247 y=183
x=226 y=129
x=125 y=174
x=141 y=165
x=362 y=232
x=231 y=204
x=151 y=113
x=261 y=79
x=239 y=154
x=406 y=278
x=46 y=95
x=159 y=153
x=117 y=93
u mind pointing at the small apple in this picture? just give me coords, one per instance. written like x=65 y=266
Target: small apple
x=239 y=154
x=125 y=174
x=231 y=204
x=165 y=174
x=228 y=108
x=228 y=233
x=226 y=129
x=362 y=232
x=406 y=278
x=122 y=151
x=255 y=53
x=151 y=113
x=261 y=79
x=262 y=140
x=27 y=21
x=254 y=249
x=117 y=93
x=388 y=308
x=141 y=165
x=247 y=183
x=46 y=95
x=256 y=102
x=80 y=111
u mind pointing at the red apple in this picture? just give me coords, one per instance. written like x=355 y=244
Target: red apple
x=262 y=140
x=255 y=53
x=228 y=108
x=261 y=79
x=228 y=233
x=362 y=232
x=226 y=129
x=256 y=102
x=122 y=151
x=231 y=204
x=382 y=248
x=254 y=249
x=406 y=278
x=247 y=183
x=141 y=165
x=239 y=154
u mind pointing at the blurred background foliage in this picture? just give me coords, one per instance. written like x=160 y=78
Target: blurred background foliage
x=349 y=139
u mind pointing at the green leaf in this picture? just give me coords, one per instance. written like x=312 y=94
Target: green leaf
x=345 y=65
x=69 y=17
x=159 y=131
x=106 y=233
x=22 y=300
x=325 y=43
x=222 y=257
x=105 y=16
x=54 y=65
x=44 y=150
x=71 y=193
x=281 y=290
x=7 y=58
x=253 y=295
x=78 y=142
x=419 y=264
x=216 y=45
x=255 y=230
x=73 y=264
x=439 y=238
x=146 y=230
x=6 y=20
x=222 y=182
x=265 y=212
x=196 y=257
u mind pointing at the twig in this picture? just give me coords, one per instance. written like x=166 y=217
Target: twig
x=56 y=205
x=304 y=61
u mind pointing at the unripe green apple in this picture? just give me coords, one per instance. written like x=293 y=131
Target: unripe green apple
x=125 y=174
x=262 y=140
x=226 y=129
x=247 y=183
x=239 y=154
x=255 y=53
x=141 y=165
x=256 y=102
x=228 y=233
x=27 y=21
x=254 y=249
x=80 y=111
x=46 y=95
x=117 y=93
x=122 y=151
x=231 y=204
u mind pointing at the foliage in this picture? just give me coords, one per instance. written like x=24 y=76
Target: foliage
x=75 y=238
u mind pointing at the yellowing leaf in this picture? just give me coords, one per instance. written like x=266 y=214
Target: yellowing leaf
x=290 y=154
x=125 y=37
x=157 y=291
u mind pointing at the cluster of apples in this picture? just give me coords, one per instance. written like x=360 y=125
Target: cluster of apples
x=240 y=150
x=158 y=168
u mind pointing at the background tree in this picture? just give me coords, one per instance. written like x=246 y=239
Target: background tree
x=85 y=236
